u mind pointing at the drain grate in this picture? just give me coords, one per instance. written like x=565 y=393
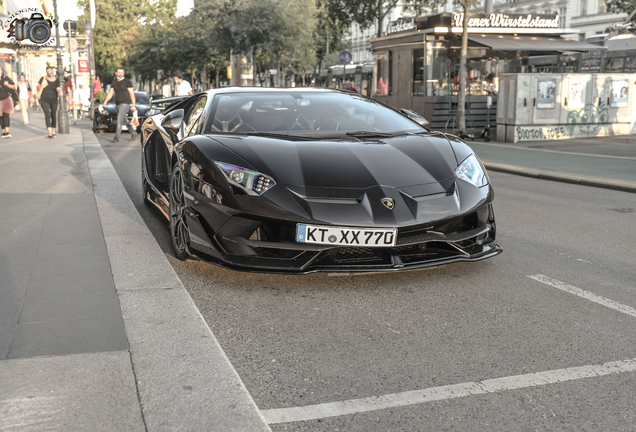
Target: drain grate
x=625 y=210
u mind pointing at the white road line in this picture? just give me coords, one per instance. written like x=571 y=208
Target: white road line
x=353 y=406
x=332 y=409
x=585 y=294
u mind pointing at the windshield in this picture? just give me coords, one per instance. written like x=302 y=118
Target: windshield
x=304 y=113
x=141 y=98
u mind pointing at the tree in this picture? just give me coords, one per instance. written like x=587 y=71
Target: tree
x=368 y=12
x=329 y=29
x=620 y=6
x=461 y=94
x=118 y=26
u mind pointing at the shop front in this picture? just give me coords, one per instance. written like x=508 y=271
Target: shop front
x=417 y=65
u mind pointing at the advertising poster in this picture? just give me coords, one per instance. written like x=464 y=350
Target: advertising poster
x=547 y=93
x=576 y=97
x=619 y=93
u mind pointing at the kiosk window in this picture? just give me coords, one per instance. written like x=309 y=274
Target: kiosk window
x=418 y=72
x=614 y=64
x=383 y=73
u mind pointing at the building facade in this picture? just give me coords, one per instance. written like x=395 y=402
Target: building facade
x=586 y=18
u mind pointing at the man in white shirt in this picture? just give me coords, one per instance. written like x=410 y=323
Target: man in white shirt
x=183 y=87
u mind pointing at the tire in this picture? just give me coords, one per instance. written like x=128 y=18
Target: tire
x=145 y=188
x=487 y=136
x=179 y=233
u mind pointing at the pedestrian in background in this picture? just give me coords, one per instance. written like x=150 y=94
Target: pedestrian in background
x=6 y=102
x=25 y=95
x=68 y=85
x=124 y=93
x=349 y=86
x=49 y=89
x=183 y=87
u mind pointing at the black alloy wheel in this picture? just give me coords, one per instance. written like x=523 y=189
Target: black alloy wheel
x=145 y=189
x=179 y=232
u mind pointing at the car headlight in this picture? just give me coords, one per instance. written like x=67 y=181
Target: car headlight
x=471 y=171
x=102 y=110
x=252 y=182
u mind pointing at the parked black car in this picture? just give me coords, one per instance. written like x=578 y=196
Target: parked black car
x=106 y=115
x=305 y=180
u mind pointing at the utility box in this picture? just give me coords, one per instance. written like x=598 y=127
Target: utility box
x=534 y=107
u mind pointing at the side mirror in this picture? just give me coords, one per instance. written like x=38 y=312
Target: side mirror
x=173 y=120
x=412 y=115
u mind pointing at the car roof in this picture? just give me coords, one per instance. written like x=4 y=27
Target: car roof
x=285 y=90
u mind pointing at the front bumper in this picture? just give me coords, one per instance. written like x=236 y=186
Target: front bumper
x=470 y=237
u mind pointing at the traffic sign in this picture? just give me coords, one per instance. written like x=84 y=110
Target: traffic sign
x=73 y=44
x=70 y=25
x=345 y=57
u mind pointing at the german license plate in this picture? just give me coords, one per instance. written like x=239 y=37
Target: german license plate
x=343 y=236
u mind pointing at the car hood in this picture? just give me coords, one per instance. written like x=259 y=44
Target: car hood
x=398 y=162
x=113 y=108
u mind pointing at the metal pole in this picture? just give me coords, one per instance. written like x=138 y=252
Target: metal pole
x=62 y=114
x=73 y=84
x=89 y=35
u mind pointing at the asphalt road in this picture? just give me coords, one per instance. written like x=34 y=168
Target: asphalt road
x=297 y=341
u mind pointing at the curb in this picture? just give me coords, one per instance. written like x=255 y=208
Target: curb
x=184 y=379
x=562 y=177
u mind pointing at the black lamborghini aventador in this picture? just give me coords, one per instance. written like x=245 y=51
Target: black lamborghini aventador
x=305 y=180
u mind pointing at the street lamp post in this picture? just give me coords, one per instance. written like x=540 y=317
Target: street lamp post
x=88 y=29
x=62 y=114
x=70 y=27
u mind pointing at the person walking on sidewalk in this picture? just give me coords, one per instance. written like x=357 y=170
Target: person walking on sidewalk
x=124 y=98
x=25 y=96
x=50 y=87
x=183 y=87
x=6 y=102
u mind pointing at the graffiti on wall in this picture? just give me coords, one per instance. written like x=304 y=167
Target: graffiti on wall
x=589 y=120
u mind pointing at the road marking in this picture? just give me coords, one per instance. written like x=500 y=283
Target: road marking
x=493 y=166
x=353 y=406
x=585 y=294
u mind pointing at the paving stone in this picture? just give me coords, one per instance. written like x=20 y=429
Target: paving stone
x=82 y=392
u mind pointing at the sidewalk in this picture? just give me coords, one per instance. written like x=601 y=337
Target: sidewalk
x=97 y=332
x=608 y=162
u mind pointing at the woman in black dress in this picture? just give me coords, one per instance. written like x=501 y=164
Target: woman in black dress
x=48 y=100
x=6 y=102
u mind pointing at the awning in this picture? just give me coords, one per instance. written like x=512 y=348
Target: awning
x=531 y=43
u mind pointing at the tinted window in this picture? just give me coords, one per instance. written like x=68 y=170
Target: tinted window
x=140 y=97
x=195 y=117
x=304 y=112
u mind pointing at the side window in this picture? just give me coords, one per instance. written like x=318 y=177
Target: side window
x=195 y=118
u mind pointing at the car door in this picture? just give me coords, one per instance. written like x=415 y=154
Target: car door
x=173 y=124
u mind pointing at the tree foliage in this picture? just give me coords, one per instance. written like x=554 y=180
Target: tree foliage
x=369 y=12
x=120 y=25
x=620 y=6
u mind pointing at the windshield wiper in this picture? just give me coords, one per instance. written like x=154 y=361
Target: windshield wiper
x=281 y=135
x=370 y=134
